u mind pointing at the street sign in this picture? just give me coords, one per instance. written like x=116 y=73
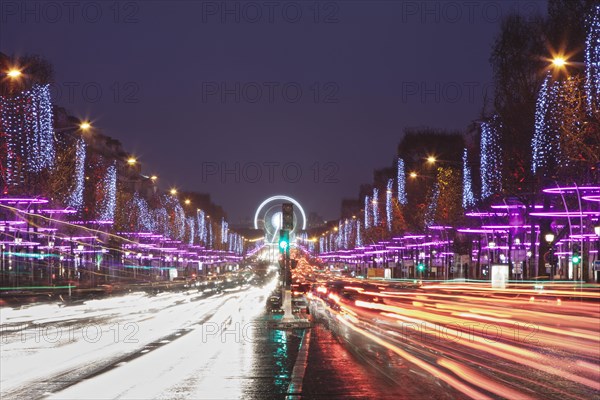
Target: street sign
x=499 y=276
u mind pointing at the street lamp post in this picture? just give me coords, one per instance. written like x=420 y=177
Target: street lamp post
x=549 y=237
x=50 y=261
x=18 y=242
x=3 y=273
x=14 y=75
x=597 y=270
x=491 y=247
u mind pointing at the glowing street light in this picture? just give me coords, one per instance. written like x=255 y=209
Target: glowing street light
x=431 y=160
x=14 y=73
x=413 y=175
x=188 y=202
x=131 y=161
x=85 y=126
x=153 y=178
x=559 y=62
x=549 y=237
x=173 y=191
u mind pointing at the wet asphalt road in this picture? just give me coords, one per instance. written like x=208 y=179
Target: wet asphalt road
x=188 y=345
x=174 y=345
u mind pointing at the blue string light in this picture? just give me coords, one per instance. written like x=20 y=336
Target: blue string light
x=468 y=198
x=178 y=221
x=75 y=198
x=402 y=199
x=26 y=128
x=161 y=216
x=432 y=206
x=592 y=60
x=367 y=212
x=388 y=203
x=224 y=230
x=146 y=221
x=202 y=232
x=347 y=233
x=106 y=207
x=491 y=158
x=546 y=136
x=211 y=239
x=191 y=225
x=375 y=206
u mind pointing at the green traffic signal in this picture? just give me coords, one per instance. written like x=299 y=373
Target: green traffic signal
x=575 y=254
x=284 y=240
x=421 y=267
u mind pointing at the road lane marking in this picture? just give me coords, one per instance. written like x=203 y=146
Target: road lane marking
x=295 y=387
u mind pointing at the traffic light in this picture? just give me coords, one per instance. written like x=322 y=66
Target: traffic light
x=421 y=267
x=575 y=256
x=284 y=240
x=287 y=211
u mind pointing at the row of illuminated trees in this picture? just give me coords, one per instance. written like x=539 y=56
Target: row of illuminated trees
x=541 y=133
x=61 y=179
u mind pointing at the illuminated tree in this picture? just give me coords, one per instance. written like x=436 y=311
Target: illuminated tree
x=491 y=156
x=27 y=147
x=66 y=180
x=126 y=216
x=399 y=225
x=579 y=138
x=516 y=83
x=449 y=209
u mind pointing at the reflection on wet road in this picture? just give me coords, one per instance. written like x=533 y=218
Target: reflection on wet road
x=174 y=345
x=367 y=341
x=470 y=341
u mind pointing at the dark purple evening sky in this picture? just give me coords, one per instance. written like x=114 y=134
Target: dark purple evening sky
x=300 y=98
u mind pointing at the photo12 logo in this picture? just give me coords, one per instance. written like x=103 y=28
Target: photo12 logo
x=269 y=92
x=119 y=92
x=445 y=92
x=471 y=12
x=268 y=171
x=90 y=333
x=71 y=12
x=269 y=12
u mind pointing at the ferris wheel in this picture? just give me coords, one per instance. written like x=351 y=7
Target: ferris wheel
x=268 y=217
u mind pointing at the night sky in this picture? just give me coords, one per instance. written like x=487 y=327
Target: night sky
x=329 y=86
